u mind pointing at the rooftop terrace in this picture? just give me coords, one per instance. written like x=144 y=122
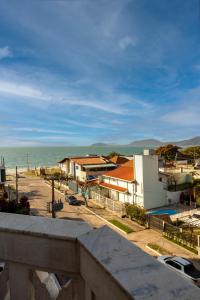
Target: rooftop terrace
x=99 y=263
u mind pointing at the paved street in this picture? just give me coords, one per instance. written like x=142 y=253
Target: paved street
x=39 y=194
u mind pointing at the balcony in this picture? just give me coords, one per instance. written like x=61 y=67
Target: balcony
x=99 y=264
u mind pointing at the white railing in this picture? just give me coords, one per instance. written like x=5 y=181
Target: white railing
x=99 y=264
x=113 y=205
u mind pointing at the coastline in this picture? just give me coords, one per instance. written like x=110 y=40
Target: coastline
x=12 y=171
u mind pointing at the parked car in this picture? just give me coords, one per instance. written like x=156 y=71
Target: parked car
x=182 y=266
x=72 y=200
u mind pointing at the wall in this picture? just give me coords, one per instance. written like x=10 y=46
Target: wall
x=123 y=197
x=138 y=167
x=149 y=192
x=183 y=178
x=102 y=264
x=173 y=196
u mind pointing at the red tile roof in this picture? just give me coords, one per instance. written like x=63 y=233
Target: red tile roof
x=117 y=159
x=113 y=187
x=89 y=161
x=124 y=172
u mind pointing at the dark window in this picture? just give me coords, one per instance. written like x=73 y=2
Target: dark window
x=189 y=269
x=173 y=264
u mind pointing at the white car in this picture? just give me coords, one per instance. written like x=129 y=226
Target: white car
x=182 y=266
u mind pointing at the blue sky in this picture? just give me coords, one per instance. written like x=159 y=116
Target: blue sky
x=80 y=72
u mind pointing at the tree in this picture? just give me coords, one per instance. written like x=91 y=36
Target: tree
x=113 y=153
x=168 y=152
x=85 y=186
x=193 y=152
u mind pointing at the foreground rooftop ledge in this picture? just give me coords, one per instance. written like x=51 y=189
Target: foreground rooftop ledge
x=139 y=275
x=43 y=227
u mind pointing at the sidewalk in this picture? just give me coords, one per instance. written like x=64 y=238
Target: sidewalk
x=141 y=236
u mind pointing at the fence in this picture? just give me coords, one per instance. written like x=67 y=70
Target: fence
x=113 y=205
x=156 y=223
x=184 y=238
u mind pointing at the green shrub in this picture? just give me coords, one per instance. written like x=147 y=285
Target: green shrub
x=136 y=213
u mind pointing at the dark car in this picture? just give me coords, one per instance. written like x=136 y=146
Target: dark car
x=72 y=200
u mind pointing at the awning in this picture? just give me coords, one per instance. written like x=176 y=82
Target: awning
x=98 y=166
x=113 y=187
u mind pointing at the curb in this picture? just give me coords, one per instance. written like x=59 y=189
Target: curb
x=156 y=252
x=55 y=189
x=110 y=224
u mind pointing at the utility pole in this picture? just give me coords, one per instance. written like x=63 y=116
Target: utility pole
x=16 y=180
x=27 y=162
x=53 y=200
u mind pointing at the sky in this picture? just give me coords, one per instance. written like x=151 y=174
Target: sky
x=80 y=72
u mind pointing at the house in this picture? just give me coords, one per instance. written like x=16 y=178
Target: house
x=63 y=164
x=182 y=159
x=136 y=181
x=118 y=184
x=88 y=168
x=83 y=168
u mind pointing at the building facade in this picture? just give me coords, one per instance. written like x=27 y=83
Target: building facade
x=85 y=168
x=136 y=181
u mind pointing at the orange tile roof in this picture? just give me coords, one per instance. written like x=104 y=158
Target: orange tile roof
x=113 y=187
x=89 y=161
x=124 y=172
x=117 y=159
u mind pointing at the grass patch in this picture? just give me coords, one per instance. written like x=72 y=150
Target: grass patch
x=122 y=226
x=159 y=249
x=180 y=244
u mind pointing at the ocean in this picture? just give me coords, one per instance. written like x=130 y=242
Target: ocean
x=49 y=156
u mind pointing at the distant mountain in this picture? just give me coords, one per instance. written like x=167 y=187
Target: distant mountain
x=191 y=142
x=156 y=143
x=146 y=143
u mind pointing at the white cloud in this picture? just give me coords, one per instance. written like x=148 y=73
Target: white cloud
x=21 y=90
x=126 y=42
x=183 y=118
x=5 y=52
x=40 y=130
x=98 y=105
x=85 y=124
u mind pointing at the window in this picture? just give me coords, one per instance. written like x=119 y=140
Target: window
x=189 y=269
x=173 y=264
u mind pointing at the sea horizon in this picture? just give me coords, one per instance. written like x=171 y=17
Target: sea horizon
x=47 y=156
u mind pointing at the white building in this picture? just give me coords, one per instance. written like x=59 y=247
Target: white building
x=149 y=191
x=136 y=182
x=86 y=167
